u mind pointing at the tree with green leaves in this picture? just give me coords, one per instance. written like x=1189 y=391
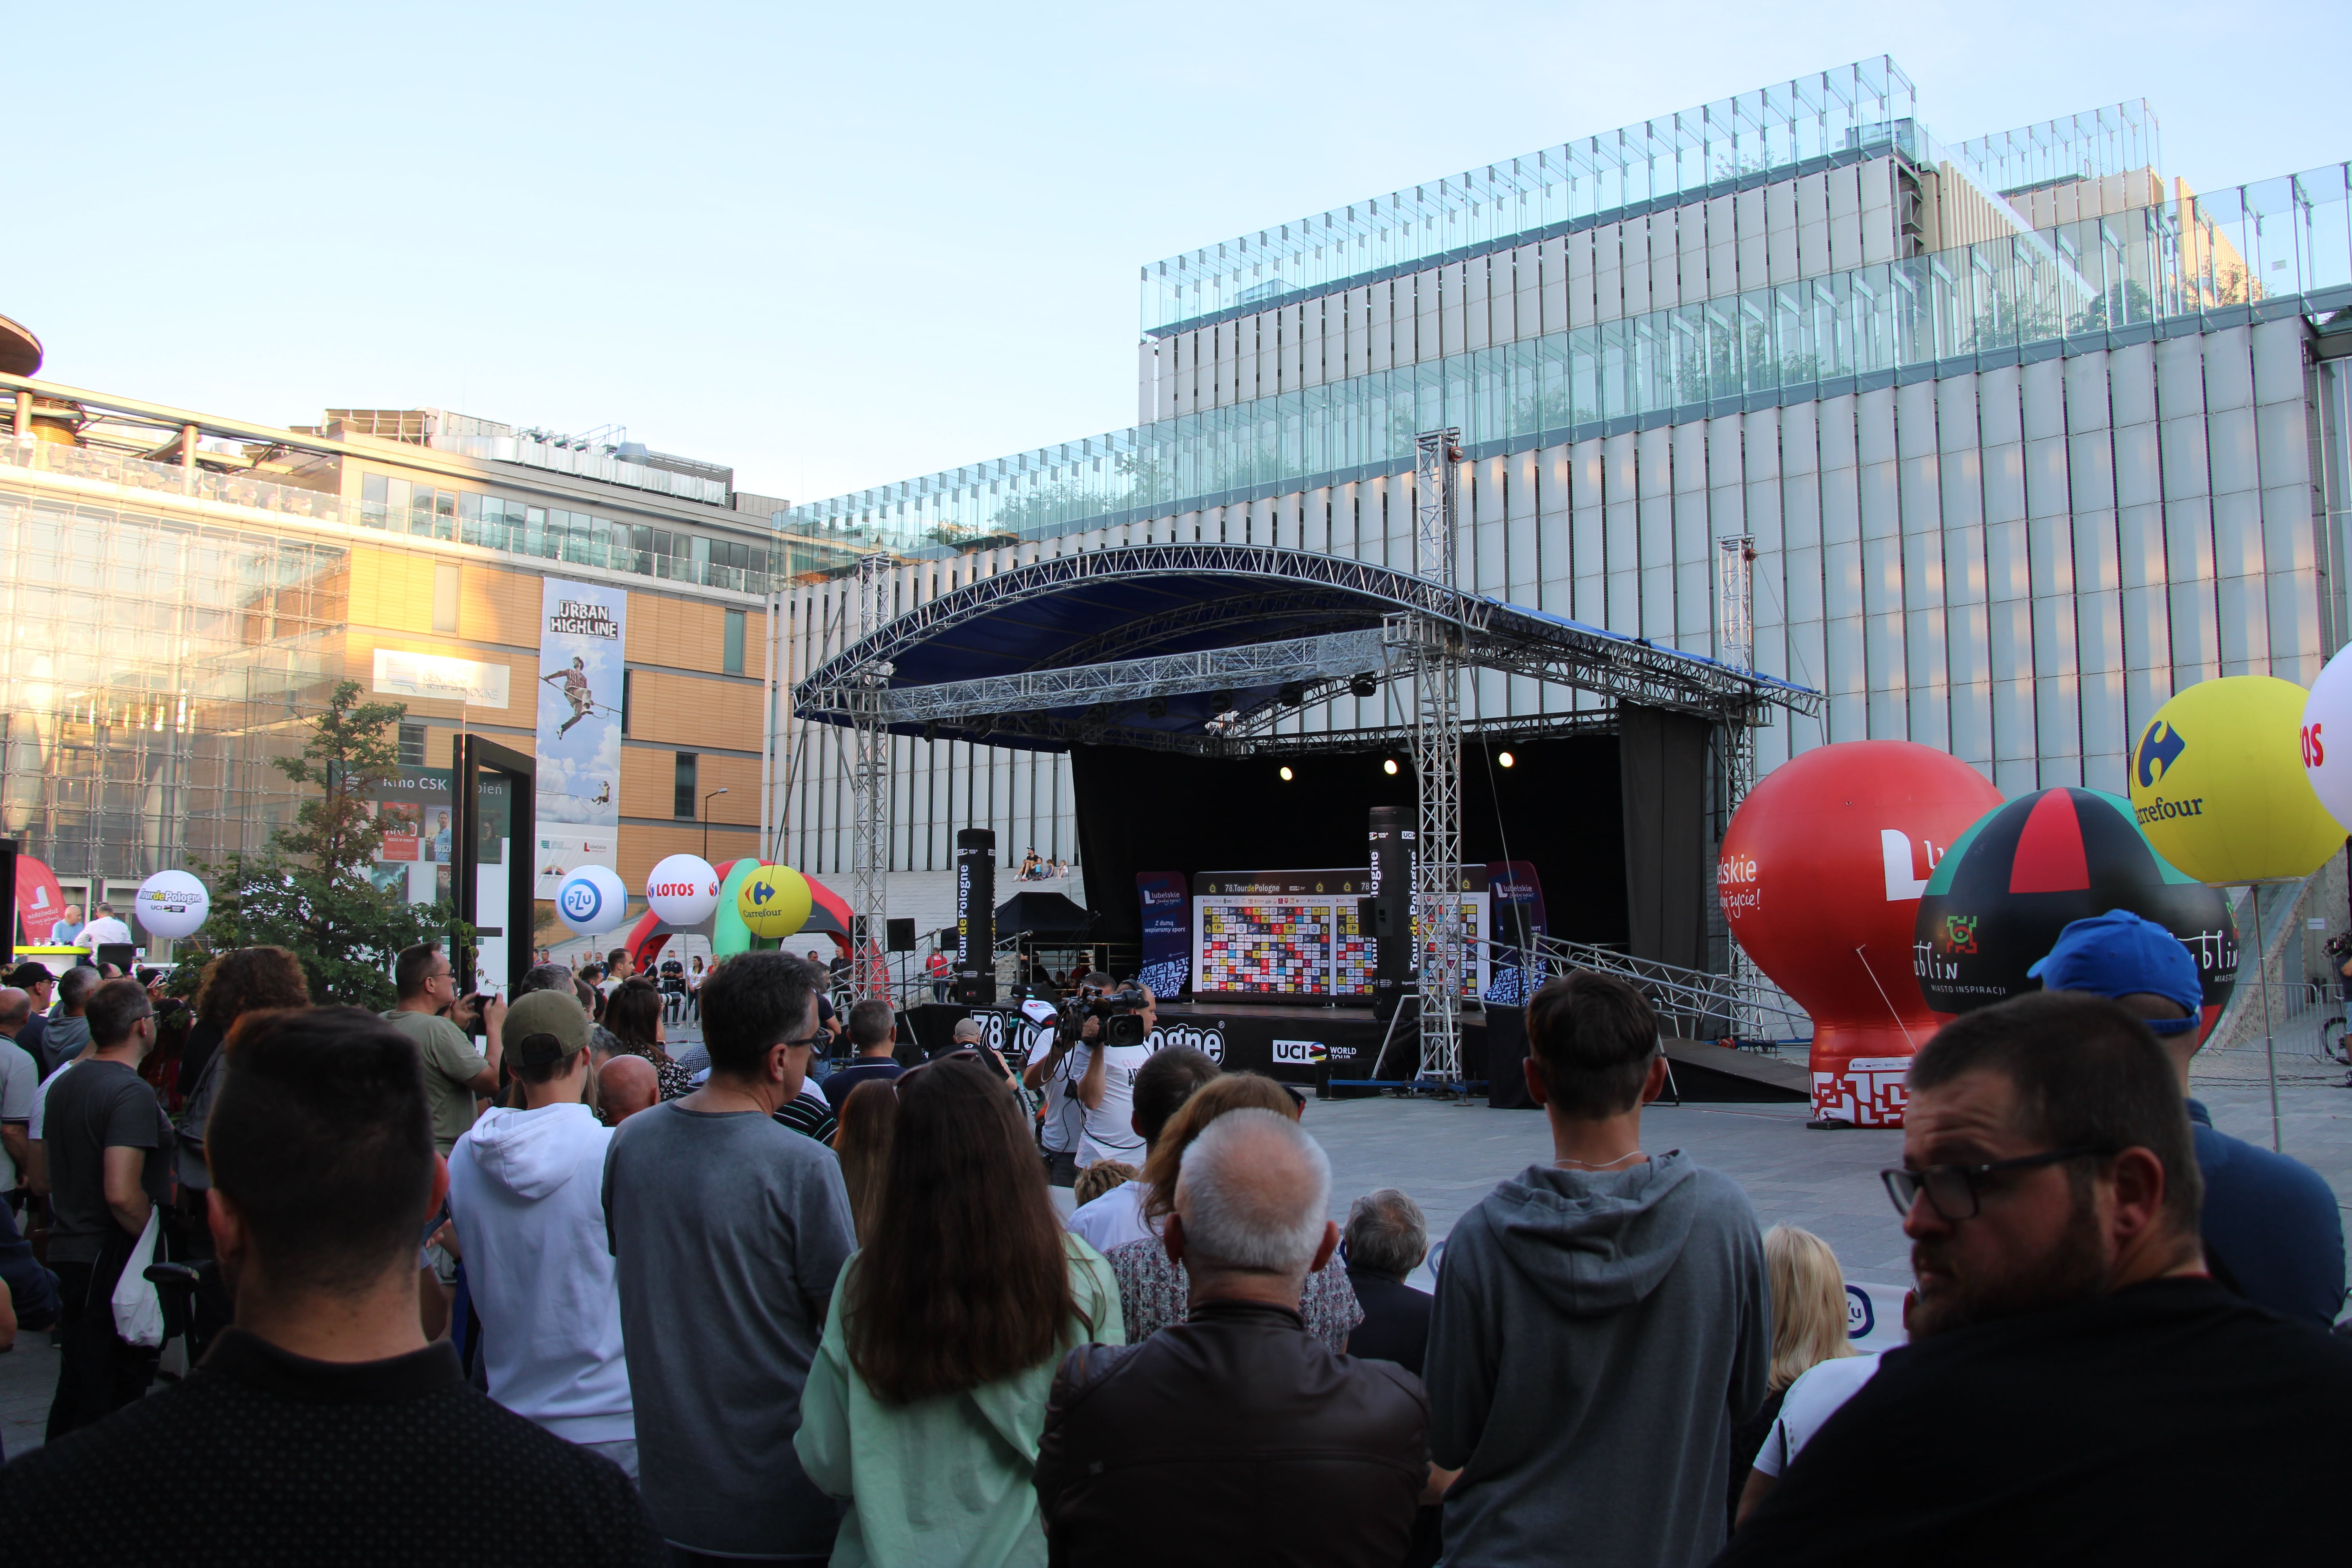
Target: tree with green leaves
x=309 y=890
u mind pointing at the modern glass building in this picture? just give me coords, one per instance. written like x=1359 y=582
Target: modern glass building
x=2025 y=432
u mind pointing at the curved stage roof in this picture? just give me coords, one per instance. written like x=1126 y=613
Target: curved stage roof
x=1201 y=646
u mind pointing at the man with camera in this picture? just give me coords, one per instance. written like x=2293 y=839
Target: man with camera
x=1105 y=1085
x=437 y=1022
x=1054 y=1076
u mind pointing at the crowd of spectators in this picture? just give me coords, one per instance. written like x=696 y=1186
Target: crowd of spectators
x=514 y=1284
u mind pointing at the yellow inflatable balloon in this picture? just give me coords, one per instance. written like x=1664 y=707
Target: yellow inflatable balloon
x=774 y=901
x=2218 y=785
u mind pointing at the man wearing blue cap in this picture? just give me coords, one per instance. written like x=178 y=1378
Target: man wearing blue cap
x=2271 y=1228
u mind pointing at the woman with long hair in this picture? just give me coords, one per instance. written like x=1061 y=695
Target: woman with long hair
x=927 y=1396
x=1152 y=1290
x=869 y=1116
x=633 y=1013
x=1809 y=1327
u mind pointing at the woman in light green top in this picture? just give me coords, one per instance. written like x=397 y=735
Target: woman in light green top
x=927 y=1396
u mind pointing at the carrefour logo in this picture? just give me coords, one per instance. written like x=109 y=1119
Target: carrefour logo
x=2158 y=750
x=579 y=899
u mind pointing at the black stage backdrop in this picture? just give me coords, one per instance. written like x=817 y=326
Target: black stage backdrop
x=1561 y=807
x=1665 y=763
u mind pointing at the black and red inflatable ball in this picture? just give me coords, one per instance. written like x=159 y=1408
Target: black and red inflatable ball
x=2001 y=895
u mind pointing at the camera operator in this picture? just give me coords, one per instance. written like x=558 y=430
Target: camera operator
x=1107 y=1083
x=1054 y=1076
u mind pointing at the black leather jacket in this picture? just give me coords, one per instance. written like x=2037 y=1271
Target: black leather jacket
x=1234 y=1437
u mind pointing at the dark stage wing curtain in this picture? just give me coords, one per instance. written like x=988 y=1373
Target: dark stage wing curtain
x=1662 y=759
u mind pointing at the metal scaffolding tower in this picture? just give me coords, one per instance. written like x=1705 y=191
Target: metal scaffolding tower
x=869 y=782
x=1735 y=620
x=1433 y=640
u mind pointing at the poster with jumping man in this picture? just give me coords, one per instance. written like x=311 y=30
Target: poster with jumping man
x=582 y=643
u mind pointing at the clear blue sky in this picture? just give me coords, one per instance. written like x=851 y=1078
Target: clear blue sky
x=840 y=244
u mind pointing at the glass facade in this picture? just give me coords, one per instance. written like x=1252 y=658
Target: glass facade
x=2281 y=245
x=153 y=665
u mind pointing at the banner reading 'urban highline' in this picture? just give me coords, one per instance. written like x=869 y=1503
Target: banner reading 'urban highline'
x=583 y=632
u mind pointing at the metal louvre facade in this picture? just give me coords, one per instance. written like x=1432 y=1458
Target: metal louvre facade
x=2009 y=542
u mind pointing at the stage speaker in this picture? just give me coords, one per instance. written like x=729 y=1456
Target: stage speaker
x=1388 y=920
x=975 y=892
x=902 y=935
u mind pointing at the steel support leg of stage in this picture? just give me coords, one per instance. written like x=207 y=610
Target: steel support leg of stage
x=1436 y=642
x=869 y=784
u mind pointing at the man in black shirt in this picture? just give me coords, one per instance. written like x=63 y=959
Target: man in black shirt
x=321 y=1428
x=107 y=1151
x=2078 y=1390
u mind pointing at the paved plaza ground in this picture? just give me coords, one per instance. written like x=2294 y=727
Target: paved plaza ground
x=1447 y=1156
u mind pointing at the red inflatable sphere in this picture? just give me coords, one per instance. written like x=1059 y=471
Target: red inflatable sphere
x=1821 y=877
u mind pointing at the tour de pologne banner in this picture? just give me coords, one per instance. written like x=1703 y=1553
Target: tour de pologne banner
x=1166 y=932
x=1516 y=903
x=582 y=634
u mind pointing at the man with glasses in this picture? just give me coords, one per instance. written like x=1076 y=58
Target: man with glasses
x=2078 y=1389
x=728 y=1230
x=454 y=1072
x=105 y=1162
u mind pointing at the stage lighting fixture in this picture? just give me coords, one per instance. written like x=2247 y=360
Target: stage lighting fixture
x=1364 y=686
x=931 y=730
x=1292 y=693
x=1156 y=709
x=1505 y=759
x=1389 y=766
x=1286 y=775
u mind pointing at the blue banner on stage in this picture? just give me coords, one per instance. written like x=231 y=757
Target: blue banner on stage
x=1517 y=905
x=1166 y=932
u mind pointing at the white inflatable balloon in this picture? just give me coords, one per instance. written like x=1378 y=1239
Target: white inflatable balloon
x=2327 y=737
x=592 y=899
x=172 y=904
x=683 y=890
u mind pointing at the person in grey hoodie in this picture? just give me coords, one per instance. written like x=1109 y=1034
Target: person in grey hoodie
x=526 y=1193
x=1601 y=1322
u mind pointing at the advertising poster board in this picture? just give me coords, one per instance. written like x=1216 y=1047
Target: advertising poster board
x=584 y=629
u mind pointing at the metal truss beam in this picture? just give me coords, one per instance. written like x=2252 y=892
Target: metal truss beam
x=1432 y=641
x=869 y=780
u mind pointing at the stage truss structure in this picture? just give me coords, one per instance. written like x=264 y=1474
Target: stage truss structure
x=869 y=781
x=1431 y=645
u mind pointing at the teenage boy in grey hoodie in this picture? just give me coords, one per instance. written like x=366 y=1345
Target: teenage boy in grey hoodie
x=1601 y=1322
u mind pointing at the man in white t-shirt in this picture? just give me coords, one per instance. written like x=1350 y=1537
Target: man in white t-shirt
x=1166 y=1082
x=104 y=930
x=1810 y=1401
x=1106 y=1088
x=1053 y=1077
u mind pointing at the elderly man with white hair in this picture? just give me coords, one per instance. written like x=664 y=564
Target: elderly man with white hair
x=1238 y=1403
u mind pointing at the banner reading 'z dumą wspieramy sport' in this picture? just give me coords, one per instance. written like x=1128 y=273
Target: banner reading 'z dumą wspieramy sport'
x=583 y=632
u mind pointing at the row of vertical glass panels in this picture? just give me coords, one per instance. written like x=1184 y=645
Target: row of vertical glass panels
x=152 y=669
x=2267 y=243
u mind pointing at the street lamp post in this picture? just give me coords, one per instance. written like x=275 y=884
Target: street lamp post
x=707 y=799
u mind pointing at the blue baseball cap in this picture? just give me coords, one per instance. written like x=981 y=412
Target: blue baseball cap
x=2120 y=954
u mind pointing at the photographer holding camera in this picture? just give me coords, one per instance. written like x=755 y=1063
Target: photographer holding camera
x=1106 y=1084
x=1054 y=1076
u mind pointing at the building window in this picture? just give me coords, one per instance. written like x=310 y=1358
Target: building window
x=412 y=745
x=684 y=805
x=732 y=656
x=445 y=595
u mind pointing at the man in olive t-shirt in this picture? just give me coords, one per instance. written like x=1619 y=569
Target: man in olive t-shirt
x=454 y=1072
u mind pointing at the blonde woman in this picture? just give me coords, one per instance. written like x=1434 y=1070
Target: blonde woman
x=1809 y=1327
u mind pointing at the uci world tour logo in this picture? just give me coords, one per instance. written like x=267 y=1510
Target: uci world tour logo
x=2159 y=748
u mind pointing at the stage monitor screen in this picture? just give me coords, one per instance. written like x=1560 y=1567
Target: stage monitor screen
x=1266 y=935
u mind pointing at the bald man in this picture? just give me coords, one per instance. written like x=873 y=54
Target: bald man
x=626 y=1085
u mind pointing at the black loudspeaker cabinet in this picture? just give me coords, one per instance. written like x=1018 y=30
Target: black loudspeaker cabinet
x=902 y=936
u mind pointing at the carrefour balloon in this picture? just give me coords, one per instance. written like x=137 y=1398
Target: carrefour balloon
x=1820 y=879
x=2022 y=873
x=683 y=890
x=2219 y=786
x=773 y=901
x=172 y=904
x=2327 y=737
x=593 y=900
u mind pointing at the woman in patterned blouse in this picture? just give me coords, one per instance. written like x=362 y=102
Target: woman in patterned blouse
x=634 y=1014
x=1152 y=1289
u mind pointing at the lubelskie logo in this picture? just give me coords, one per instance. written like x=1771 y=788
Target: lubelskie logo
x=2159 y=748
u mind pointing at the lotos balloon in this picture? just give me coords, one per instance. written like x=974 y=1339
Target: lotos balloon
x=683 y=891
x=2216 y=788
x=592 y=899
x=2327 y=737
x=1820 y=878
x=2013 y=882
x=172 y=904
x=773 y=901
